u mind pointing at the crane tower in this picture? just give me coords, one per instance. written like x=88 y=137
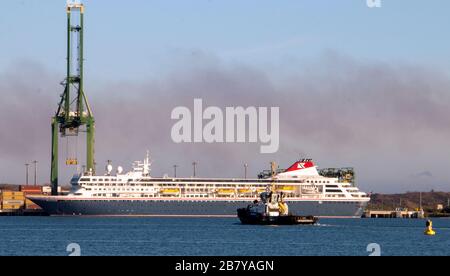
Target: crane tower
x=74 y=113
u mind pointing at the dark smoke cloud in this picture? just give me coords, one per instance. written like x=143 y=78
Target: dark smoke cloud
x=389 y=121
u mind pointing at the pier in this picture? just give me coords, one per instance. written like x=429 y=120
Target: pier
x=14 y=200
x=399 y=213
x=23 y=212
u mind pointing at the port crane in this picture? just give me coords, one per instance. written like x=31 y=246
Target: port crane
x=73 y=111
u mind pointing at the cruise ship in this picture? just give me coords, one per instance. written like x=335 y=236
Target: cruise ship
x=137 y=193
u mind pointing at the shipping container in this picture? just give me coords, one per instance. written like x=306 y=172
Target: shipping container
x=13 y=202
x=11 y=207
x=30 y=188
x=5 y=187
x=4 y=198
x=14 y=199
x=11 y=193
x=33 y=193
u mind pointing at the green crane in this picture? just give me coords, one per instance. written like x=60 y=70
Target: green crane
x=73 y=111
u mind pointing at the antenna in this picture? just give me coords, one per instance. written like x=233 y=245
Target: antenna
x=175 y=171
x=245 y=170
x=194 y=165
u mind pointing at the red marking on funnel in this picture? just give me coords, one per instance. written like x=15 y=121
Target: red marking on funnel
x=300 y=165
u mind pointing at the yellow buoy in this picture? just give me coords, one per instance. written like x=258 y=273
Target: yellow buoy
x=429 y=231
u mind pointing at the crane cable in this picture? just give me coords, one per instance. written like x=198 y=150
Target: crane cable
x=67 y=151
x=71 y=157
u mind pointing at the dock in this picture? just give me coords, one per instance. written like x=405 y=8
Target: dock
x=14 y=201
x=25 y=213
x=393 y=214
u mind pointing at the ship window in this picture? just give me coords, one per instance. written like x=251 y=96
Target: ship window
x=333 y=191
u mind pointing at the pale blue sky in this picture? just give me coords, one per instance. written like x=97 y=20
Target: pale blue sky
x=134 y=39
x=395 y=70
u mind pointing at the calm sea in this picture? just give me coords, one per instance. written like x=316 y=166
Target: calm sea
x=217 y=237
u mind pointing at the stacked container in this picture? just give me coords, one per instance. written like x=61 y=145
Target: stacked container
x=12 y=200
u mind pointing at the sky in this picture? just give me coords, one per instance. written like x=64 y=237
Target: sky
x=356 y=86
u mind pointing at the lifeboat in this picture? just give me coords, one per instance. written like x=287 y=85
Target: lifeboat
x=170 y=191
x=286 y=189
x=245 y=191
x=225 y=191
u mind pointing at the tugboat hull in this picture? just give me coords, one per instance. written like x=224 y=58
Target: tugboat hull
x=247 y=217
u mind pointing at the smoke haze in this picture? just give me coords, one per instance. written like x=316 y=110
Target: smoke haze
x=391 y=121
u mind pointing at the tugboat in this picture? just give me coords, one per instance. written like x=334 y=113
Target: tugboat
x=272 y=210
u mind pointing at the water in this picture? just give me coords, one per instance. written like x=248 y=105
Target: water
x=217 y=237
